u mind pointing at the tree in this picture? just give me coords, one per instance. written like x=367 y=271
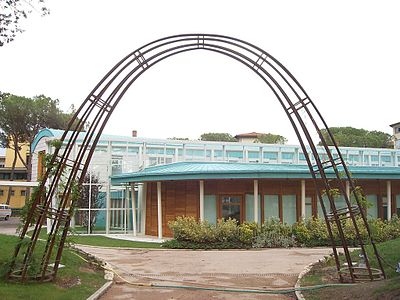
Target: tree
x=178 y=138
x=21 y=118
x=269 y=138
x=11 y=14
x=219 y=137
x=355 y=137
x=89 y=193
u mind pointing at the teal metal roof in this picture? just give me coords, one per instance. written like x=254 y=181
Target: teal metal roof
x=222 y=170
x=57 y=133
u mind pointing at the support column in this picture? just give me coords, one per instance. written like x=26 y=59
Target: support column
x=133 y=209
x=348 y=190
x=143 y=199
x=201 y=200
x=159 y=210
x=256 y=201
x=389 y=199
x=303 y=199
x=108 y=199
x=126 y=205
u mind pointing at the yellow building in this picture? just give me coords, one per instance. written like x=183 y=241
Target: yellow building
x=18 y=185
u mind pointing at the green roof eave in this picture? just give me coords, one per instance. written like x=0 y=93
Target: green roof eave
x=203 y=171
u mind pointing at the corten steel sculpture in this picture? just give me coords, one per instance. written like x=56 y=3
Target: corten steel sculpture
x=100 y=104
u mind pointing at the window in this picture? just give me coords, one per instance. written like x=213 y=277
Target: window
x=271 y=206
x=12 y=192
x=116 y=165
x=308 y=207
x=23 y=193
x=289 y=209
x=1 y=192
x=210 y=208
x=249 y=201
x=372 y=210
x=398 y=205
x=231 y=207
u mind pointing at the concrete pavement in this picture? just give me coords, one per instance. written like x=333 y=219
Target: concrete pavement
x=10 y=226
x=239 y=269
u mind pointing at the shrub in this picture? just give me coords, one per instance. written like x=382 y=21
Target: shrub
x=393 y=227
x=302 y=233
x=272 y=239
x=191 y=234
x=273 y=234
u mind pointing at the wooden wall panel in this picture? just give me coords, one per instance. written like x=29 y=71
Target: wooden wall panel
x=180 y=198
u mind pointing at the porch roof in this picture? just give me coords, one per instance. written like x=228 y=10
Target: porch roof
x=224 y=170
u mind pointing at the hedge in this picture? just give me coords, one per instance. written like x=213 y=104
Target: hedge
x=189 y=233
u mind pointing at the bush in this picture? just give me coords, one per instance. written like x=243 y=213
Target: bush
x=227 y=234
x=394 y=227
x=272 y=239
x=311 y=232
x=189 y=233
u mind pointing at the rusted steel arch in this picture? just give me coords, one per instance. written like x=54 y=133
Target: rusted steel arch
x=101 y=102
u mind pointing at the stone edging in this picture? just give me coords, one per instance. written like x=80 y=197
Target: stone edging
x=101 y=291
x=307 y=269
x=107 y=275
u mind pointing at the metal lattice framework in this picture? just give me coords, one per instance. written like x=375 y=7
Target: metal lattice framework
x=99 y=105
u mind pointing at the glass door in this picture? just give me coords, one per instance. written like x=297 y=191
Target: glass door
x=231 y=207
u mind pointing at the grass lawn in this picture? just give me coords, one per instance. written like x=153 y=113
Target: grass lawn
x=102 y=241
x=386 y=289
x=77 y=280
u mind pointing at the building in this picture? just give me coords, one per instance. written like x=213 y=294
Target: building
x=251 y=137
x=18 y=186
x=396 y=134
x=140 y=184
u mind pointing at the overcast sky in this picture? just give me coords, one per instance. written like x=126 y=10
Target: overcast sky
x=346 y=54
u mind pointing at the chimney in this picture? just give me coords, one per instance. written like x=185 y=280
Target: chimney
x=134 y=133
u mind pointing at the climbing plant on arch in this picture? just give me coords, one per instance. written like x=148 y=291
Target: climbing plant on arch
x=99 y=105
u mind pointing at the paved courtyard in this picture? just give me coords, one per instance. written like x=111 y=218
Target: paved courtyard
x=239 y=269
x=10 y=226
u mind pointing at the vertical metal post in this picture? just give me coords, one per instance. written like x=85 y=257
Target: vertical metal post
x=133 y=209
x=201 y=202
x=303 y=199
x=255 y=183
x=90 y=204
x=159 y=211
x=389 y=199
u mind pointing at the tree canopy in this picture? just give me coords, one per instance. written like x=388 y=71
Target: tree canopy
x=355 y=137
x=269 y=138
x=12 y=12
x=21 y=118
x=218 y=137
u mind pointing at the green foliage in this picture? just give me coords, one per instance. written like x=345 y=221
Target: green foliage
x=219 y=137
x=12 y=11
x=311 y=232
x=23 y=216
x=91 y=278
x=354 y=137
x=203 y=235
x=269 y=138
x=274 y=234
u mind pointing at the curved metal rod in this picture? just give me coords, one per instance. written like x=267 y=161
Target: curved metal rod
x=103 y=115
x=282 y=103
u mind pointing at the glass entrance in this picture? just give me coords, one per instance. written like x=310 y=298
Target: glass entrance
x=231 y=207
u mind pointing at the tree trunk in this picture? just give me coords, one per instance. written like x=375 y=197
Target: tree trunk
x=12 y=171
